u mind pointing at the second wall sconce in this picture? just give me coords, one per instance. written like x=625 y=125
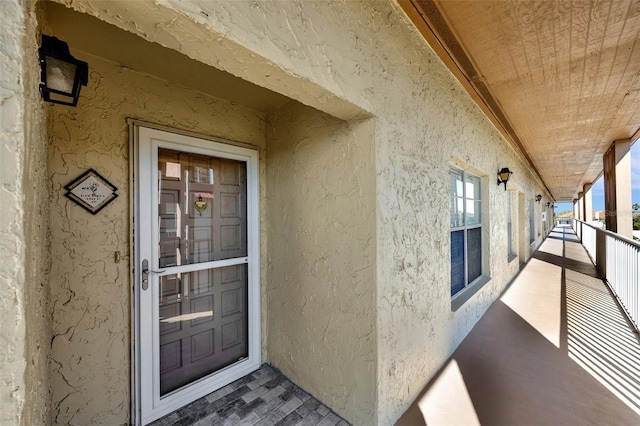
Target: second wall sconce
x=538 y=198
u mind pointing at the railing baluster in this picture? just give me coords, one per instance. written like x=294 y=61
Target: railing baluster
x=622 y=268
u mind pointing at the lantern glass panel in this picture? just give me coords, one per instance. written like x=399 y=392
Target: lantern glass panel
x=60 y=75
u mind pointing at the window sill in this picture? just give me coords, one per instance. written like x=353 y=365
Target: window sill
x=512 y=257
x=463 y=296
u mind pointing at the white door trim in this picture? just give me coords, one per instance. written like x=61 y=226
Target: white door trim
x=147 y=404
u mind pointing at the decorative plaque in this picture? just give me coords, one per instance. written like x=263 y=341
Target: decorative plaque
x=91 y=191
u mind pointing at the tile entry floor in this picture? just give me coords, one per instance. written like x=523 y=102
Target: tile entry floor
x=263 y=398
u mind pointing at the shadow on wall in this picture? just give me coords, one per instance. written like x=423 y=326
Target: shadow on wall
x=555 y=349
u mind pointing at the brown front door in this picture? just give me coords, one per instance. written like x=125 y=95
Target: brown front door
x=202 y=215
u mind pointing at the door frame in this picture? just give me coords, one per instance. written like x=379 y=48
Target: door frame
x=141 y=404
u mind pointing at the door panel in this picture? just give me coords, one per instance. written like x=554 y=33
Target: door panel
x=202 y=324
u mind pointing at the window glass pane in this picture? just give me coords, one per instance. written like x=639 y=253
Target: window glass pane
x=202 y=211
x=456 y=206
x=455 y=181
x=202 y=324
x=457 y=261
x=474 y=212
x=470 y=217
x=477 y=187
x=456 y=212
x=473 y=189
x=474 y=256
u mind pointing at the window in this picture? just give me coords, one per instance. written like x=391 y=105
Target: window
x=466 y=229
x=540 y=224
x=532 y=222
x=510 y=234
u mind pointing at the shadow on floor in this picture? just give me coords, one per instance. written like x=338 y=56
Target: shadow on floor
x=564 y=262
x=554 y=350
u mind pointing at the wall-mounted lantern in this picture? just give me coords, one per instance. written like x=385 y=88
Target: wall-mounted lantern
x=538 y=198
x=62 y=75
x=548 y=204
x=503 y=176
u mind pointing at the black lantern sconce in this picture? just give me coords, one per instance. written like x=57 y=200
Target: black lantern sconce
x=503 y=176
x=548 y=204
x=62 y=75
x=538 y=198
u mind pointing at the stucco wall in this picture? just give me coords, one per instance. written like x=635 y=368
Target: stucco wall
x=321 y=257
x=90 y=293
x=12 y=245
x=368 y=55
x=36 y=217
x=24 y=336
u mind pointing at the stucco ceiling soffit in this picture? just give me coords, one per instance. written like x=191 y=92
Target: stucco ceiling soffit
x=436 y=31
x=174 y=26
x=87 y=34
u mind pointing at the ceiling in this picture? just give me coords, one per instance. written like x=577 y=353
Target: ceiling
x=560 y=79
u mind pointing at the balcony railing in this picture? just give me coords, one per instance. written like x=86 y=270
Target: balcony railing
x=618 y=260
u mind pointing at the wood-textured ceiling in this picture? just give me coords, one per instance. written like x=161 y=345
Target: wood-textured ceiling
x=560 y=79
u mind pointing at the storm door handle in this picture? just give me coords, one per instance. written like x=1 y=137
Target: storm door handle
x=145 y=274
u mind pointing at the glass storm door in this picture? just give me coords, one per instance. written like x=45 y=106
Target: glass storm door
x=197 y=268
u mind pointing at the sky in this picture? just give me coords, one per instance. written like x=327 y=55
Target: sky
x=597 y=191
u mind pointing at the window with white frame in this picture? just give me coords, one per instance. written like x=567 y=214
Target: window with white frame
x=540 y=221
x=466 y=229
x=532 y=222
x=510 y=233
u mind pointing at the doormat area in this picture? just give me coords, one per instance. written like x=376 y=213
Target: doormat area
x=263 y=398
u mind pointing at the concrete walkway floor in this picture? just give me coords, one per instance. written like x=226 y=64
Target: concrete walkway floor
x=555 y=349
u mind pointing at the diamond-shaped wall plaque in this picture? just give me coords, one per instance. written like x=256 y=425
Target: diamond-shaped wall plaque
x=91 y=191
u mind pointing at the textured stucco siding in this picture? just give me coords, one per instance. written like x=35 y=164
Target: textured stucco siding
x=24 y=336
x=90 y=293
x=321 y=257
x=36 y=218
x=369 y=54
x=12 y=244
x=350 y=59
